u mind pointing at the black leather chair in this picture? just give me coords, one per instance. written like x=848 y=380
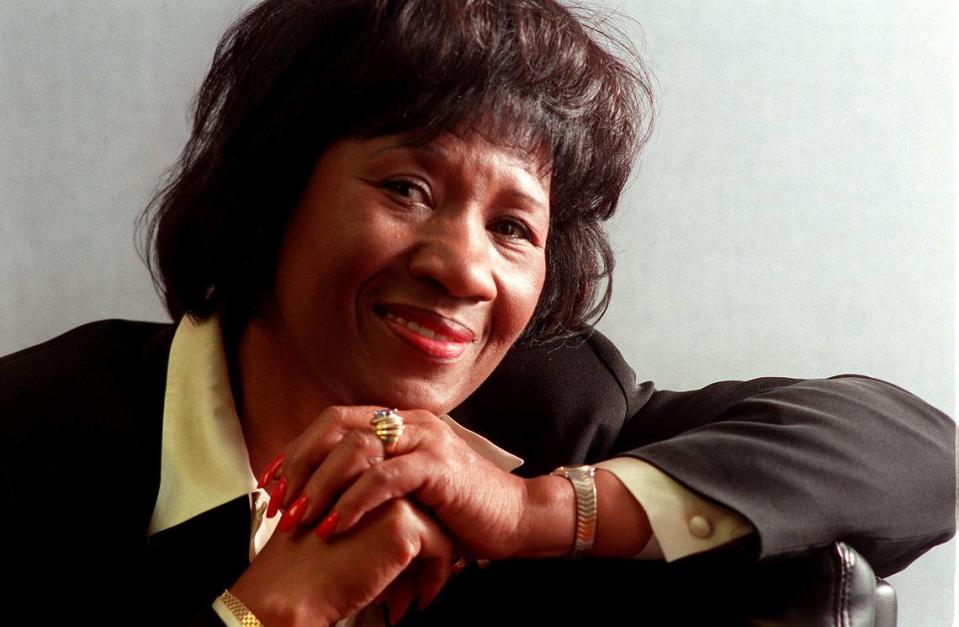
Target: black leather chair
x=832 y=587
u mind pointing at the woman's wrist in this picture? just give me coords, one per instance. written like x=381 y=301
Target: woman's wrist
x=271 y=613
x=549 y=518
x=549 y=521
x=233 y=611
x=622 y=526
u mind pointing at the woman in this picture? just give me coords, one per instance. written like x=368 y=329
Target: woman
x=378 y=200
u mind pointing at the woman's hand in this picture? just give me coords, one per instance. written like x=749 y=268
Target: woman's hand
x=338 y=469
x=299 y=579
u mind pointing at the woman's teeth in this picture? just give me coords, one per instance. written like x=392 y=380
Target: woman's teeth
x=415 y=328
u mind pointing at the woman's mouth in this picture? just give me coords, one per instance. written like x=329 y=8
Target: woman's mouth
x=427 y=332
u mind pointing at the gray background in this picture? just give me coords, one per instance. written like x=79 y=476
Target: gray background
x=793 y=214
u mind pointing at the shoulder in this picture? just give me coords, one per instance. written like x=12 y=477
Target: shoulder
x=80 y=433
x=80 y=377
x=83 y=412
x=100 y=335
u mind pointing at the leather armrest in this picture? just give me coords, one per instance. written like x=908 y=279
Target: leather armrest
x=831 y=587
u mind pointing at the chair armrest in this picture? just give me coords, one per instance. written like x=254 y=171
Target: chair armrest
x=832 y=587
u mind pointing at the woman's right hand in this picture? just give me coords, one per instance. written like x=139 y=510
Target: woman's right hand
x=299 y=579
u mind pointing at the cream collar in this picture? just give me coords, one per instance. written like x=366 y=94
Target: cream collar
x=204 y=461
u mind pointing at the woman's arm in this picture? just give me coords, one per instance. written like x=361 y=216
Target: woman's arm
x=807 y=462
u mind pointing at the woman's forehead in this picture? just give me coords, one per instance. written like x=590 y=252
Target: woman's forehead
x=535 y=159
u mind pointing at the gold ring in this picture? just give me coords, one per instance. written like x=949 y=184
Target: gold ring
x=388 y=426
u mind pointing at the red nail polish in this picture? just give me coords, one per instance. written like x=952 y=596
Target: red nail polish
x=271 y=470
x=328 y=526
x=291 y=517
x=277 y=494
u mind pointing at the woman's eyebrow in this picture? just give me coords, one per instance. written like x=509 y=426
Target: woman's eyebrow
x=411 y=146
x=522 y=156
x=530 y=202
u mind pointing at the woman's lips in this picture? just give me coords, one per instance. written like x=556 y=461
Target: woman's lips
x=430 y=333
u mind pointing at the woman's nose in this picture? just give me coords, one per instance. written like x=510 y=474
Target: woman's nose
x=456 y=256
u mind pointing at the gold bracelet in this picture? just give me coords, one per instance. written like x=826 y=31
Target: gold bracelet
x=584 y=485
x=238 y=609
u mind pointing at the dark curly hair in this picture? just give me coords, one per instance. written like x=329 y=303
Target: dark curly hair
x=292 y=76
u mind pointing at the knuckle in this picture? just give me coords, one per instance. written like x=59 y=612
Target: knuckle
x=444 y=433
x=361 y=440
x=404 y=528
x=436 y=430
x=382 y=473
x=293 y=464
x=399 y=512
x=337 y=415
x=406 y=544
x=394 y=516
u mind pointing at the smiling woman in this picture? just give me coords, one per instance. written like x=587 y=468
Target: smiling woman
x=573 y=101
x=389 y=215
x=405 y=275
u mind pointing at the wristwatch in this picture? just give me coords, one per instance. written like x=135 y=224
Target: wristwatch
x=584 y=485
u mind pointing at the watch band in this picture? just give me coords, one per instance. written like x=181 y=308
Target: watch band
x=584 y=485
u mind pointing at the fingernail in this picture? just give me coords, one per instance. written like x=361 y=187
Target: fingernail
x=291 y=517
x=326 y=528
x=277 y=494
x=270 y=470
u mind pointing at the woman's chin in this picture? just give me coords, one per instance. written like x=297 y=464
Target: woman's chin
x=432 y=396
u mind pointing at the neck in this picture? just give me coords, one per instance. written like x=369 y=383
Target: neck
x=275 y=400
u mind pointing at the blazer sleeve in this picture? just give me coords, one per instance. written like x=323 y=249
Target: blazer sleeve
x=808 y=462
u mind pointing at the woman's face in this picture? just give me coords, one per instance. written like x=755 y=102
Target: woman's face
x=406 y=272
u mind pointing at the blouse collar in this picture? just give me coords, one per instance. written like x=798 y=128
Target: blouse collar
x=204 y=461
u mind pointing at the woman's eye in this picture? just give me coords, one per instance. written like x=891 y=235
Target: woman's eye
x=408 y=191
x=512 y=229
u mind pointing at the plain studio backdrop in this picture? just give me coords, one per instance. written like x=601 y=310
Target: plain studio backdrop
x=792 y=215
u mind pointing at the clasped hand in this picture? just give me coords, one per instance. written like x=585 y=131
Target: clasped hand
x=336 y=481
x=337 y=465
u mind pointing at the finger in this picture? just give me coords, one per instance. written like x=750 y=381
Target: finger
x=433 y=575
x=271 y=470
x=427 y=574
x=392 y=478
x=311 y=447
x=416 y=424
x=353 y=455
x=421 y=545
x=435 y=561
x=400 y=594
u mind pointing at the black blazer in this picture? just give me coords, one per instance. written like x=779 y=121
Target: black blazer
x=807 y=462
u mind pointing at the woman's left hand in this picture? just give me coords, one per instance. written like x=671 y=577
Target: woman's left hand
x=339 y=465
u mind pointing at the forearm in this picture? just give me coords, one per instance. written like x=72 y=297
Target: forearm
x=810 y=462
x=550 y=519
